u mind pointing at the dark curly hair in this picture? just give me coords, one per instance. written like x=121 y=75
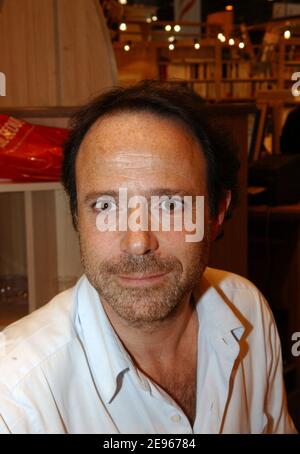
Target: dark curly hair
x=167 y=100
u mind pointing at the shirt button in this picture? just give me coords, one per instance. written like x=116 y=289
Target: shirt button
x=175 y=418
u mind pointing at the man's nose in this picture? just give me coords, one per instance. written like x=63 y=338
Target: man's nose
x=139 y=243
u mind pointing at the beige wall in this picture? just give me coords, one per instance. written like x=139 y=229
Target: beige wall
x=54 y=52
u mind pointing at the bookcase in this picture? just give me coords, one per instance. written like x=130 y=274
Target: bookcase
x=215 y=71
x=39 y=253
x=289 y=61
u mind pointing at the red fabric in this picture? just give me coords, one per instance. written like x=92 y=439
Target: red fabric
x=30 y=152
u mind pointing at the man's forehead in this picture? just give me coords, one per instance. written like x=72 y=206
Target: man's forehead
x=125 y=158
x=133 y=165
x=124 y=129
x=140 y=145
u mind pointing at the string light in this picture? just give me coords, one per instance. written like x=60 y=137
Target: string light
x=229 y=8
x=231 y=42
x=196 y=44
x=168 y=28
x=127 y=47
x=123 y=2
x=241 y=45
x=123 y=26
x=171 y=39
x=177 y=28
x=154 y=18
x=221 y=37
x=148 y=20
x=171 y=46
x=287 y=34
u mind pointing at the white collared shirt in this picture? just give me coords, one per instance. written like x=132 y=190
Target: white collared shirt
x=63 y=369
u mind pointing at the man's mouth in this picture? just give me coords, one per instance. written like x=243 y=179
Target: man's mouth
x=141 y=279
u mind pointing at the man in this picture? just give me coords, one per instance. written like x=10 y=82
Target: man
x=150 y=340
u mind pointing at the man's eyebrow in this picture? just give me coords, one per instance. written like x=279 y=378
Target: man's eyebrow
x=149 y=192
x=94 y=195
x=169 y=191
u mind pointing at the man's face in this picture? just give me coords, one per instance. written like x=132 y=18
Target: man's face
x=148 y=155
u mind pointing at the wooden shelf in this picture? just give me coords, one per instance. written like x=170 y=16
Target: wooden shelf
x=38 y=240
x=23 y=187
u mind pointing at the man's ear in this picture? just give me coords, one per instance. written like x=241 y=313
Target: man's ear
x=220 y=216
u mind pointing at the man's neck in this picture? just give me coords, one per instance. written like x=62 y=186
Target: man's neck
x=144 y=343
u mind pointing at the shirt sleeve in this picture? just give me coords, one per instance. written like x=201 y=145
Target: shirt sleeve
x=279 y=420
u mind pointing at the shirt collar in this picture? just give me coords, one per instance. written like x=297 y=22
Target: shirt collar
x=216 y=312
x=107 y=356
x=219 y=319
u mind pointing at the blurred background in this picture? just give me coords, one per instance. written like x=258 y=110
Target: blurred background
x=242 y=58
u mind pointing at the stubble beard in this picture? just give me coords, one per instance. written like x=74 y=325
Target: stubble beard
x=147 y=305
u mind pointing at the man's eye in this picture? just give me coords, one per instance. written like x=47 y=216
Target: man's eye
x=172 y=204
x=105 y=205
